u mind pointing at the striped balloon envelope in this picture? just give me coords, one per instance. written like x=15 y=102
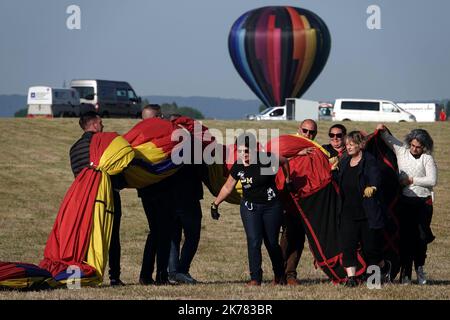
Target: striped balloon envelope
x=279 y=51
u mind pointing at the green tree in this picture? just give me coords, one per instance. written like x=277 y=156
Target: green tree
x=170 y=108
x=190 y=112
x=22 y=113
x=144 y=102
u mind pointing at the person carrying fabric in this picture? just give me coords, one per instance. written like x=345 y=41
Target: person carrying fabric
x=91 y=123
x=158 y=201
x=361 y=213
x=260 y=207
x=293 y=232
x=417 y=176
x=188 y=219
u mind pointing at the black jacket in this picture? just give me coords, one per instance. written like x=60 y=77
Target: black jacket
x=369 y=176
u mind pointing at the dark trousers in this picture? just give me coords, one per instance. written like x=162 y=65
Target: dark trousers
x=114 y=247
x=188 y=220
x=356 y=233
x=292 y=242
x=262 y=222
x=415 y=232
x=159 y=212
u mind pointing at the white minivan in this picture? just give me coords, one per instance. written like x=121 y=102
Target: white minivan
x=369 y=110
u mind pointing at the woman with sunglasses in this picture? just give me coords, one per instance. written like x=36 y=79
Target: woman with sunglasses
x=260 y=208
x=336 y=147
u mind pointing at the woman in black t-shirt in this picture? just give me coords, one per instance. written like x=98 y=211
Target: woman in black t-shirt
x=260 y=208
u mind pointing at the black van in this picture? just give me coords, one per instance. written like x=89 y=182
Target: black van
x=108 y=98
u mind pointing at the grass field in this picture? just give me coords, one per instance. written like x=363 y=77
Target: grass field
x=35 y=174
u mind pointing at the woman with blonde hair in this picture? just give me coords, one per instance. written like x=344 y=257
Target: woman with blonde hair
x=362 y=215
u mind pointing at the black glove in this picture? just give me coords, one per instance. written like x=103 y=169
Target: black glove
x=215 y=211
x=289 y=186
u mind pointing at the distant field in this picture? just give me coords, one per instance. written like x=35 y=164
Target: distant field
x=35 y=174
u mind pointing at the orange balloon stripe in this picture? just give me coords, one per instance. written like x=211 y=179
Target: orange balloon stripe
x=299 y=43
x=308 y=61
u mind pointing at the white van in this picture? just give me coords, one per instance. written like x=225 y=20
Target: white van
x=369 y=110
x=47 y=102
x=108 y=98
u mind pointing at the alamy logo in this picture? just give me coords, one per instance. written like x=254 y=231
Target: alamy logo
x=73 y=22
x=374 y=20
x=73 y=280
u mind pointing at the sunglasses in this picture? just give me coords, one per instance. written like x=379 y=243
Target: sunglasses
x=337 y=135
x=305 y=131
x=242 y=150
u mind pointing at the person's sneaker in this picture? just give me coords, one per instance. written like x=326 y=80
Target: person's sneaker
x=116 y=283
x=185 y=278
x=421 y=276
x=172 y=278
x=146 y=282
x=405 y=280
x=292 y=282
x=253 y=283
x=351 y=282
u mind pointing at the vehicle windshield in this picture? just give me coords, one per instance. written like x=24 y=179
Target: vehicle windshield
x=85 y=92
x=399 y=107
x=265 y=111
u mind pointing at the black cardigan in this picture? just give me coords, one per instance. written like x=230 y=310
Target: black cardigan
x=369 y=176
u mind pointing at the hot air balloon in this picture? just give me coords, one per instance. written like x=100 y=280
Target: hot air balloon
x=279 y=51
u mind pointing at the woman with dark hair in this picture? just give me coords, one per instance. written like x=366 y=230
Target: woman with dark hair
x=361 y=213
x=336 y=147
x=261 y=210
x=417 y=176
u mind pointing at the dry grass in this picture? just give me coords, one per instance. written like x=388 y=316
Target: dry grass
x=35 y=173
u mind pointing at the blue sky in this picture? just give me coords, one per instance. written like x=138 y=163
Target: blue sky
x=176 y=47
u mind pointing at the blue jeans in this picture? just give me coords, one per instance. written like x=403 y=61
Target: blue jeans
x=188 y=220
x=263 y=222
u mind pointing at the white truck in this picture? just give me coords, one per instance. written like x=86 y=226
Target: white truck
x=295 y=109
x=424 y=112
x=48 y=102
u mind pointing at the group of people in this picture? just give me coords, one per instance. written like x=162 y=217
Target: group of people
x=362 y=213
x=172 y=206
